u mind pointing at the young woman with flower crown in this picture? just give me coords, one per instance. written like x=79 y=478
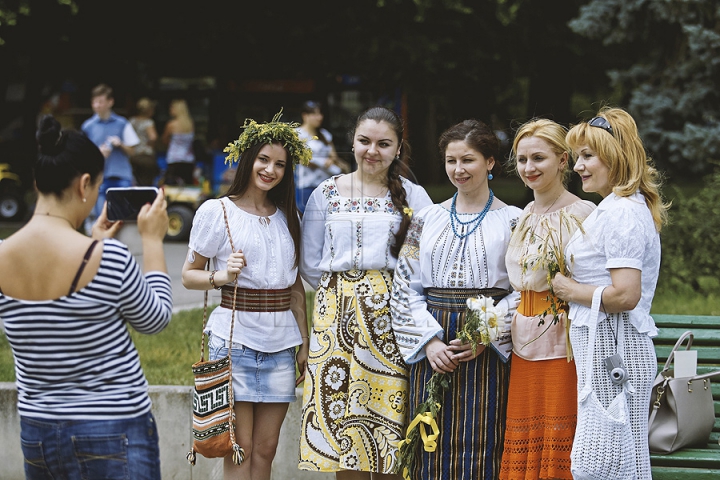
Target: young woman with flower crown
x=264 y=226
x=454 y=251
x=541 y=414
x=354 y=403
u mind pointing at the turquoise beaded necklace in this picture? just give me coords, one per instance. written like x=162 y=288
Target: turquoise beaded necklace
x=475 y=221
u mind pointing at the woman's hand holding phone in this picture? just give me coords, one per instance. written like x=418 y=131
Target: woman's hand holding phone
x=152 y=219
x=104 y=228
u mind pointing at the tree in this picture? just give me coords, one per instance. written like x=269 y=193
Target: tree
x=11 y=10
x=670 y=73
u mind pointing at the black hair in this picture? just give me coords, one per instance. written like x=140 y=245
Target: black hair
x=63 y=156
x=397 y=168
x=282 y=194
x=311 y=106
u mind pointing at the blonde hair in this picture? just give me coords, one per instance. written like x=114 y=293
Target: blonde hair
x=145 y=106
x=631 y=169
x=552 y=133
x=181 y=114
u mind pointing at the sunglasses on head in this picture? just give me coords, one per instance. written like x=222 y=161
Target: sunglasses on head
x=601 y=122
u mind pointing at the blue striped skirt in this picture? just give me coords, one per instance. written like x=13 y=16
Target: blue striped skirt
x=472 y=418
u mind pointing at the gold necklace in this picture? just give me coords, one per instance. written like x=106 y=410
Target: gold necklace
x=551 y=205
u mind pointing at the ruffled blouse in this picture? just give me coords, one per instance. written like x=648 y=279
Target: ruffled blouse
x=620 y=233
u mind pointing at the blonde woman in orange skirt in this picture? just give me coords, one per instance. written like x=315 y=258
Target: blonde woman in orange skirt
x=542 y=398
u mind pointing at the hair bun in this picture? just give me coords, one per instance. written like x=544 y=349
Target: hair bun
x=48 y=135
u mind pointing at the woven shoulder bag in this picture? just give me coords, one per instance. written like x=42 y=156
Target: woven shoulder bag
x=213 y=415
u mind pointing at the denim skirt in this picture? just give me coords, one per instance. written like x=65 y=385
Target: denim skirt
x=125 y=449
x=258 y=377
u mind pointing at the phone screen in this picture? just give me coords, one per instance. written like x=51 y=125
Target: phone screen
x=125 y=203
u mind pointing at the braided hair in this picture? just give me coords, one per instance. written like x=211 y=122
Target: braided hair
x=397 y=168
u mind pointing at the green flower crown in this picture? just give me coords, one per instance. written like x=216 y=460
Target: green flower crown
x=271 y=132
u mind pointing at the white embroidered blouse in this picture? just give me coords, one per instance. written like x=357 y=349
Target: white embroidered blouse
x=341 y=233
x=270 y=254
x=620 y=233
x=433 y=256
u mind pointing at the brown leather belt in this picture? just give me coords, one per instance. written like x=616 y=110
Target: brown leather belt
x=250 y=300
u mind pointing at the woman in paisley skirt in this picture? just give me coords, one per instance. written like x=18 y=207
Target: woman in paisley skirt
x=453 y=251
x=355 y=393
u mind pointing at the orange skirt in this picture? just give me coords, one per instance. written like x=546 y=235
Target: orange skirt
x=541 y=412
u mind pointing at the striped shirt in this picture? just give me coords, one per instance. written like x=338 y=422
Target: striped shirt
x=74 y=358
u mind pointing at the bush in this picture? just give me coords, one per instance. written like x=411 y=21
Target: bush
x=691 y=241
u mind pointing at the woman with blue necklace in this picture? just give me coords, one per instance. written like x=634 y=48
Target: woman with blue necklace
x=453 y=251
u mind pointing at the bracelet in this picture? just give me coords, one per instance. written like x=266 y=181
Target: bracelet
x=212 y=280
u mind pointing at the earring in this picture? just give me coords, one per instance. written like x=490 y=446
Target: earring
x=490 y=176
x=353 y=149
x=84 y=200
x=397 y=157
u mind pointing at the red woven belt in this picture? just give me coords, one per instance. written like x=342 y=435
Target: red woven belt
x=250 y=300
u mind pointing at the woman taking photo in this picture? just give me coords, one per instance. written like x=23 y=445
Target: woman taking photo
x=354 y=400
x=259 y=218
x=325 y=161
x=453 y=251
x=614 y=268
x=66 y=301
x=539 y=433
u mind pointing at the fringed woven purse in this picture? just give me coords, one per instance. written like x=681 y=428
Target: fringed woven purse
x=213 y=399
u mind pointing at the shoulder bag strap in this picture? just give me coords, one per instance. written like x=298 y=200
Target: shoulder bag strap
x=238 y=455
x=205 y=299
x=590 y=353
x=689 y=335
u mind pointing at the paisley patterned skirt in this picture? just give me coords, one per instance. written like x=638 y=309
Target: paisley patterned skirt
x=355 y=393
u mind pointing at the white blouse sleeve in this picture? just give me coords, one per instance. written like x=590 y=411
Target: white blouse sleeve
x=208 y=229
x=417 y=197
x=313 y=238
x=625 y=238
x=413 y=324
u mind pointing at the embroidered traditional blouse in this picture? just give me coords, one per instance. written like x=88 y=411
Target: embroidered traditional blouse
x=535 y=235
x=433 y=256
x=342 y=233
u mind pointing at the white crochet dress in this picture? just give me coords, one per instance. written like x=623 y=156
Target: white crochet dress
x=620 y=233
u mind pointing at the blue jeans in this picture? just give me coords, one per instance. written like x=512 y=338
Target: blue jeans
x=91 y=449
x=113 y=182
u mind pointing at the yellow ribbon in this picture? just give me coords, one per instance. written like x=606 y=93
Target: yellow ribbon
x=429 y=441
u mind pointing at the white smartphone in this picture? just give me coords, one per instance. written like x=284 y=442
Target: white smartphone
x=125 y=203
